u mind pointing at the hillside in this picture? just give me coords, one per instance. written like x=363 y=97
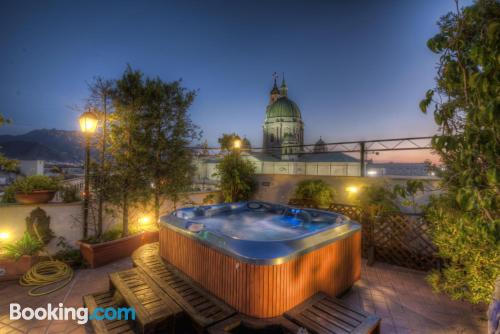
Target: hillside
x=44 y=144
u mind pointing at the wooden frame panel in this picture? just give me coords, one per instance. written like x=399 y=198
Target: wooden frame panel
x=265 y=291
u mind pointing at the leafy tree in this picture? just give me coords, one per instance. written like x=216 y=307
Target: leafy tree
x=167 y=132
x=127 y=184
x=6 y=164
x=100 y=99
x=376 y=200
x=226 y=141
x=237 y=177
x=317 y=191
x=408 y=193
x=465 y=103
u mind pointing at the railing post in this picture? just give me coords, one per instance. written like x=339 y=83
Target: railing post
x=371 y=247
x=362 y=158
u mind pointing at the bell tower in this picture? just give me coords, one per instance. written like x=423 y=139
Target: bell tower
x=275 y=92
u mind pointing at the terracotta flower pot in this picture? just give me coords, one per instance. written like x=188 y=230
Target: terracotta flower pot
x=97 y=255
x=35 y=197
x=11 y=269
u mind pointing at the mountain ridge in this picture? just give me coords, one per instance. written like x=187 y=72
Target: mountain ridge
x=44 y=144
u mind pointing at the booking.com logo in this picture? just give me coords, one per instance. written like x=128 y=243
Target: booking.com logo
x=80 y=314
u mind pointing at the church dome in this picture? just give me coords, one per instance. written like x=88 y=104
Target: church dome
x=288 y=137
x=283 y=107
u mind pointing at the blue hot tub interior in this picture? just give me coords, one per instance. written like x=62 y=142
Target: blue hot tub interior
x=259 y=231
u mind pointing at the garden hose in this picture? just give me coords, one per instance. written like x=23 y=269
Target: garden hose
x=46 y=273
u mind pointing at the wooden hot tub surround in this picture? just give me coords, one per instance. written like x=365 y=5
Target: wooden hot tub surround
x=262 y=290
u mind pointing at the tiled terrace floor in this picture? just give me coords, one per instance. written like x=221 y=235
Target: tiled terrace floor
x=400 y=296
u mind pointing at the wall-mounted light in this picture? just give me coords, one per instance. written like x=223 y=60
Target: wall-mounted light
x=371 y=172
x=352 y=189
x=4 y=236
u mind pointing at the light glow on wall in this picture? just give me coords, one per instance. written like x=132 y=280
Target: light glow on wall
x=352 y=189
x=145 y=220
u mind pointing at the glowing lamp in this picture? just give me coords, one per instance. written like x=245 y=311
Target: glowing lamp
x=145 y=220
x=4 y=235
x=371 y=172
x=352 y=189
x=88 y=122
x=237 y=144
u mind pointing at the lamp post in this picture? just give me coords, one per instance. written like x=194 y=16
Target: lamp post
x=88 y=125
x=236 y=144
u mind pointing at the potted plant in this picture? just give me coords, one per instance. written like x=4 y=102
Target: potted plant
x=111 y=246
x=34 y=189
x=18 y=257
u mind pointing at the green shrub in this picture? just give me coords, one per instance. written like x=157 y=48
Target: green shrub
x=109 y=235
x=465 y=218
x=70 y=194
x=210 y=199
x=29 y=184
x=68 y=253
x=407 y=193
x=27 y=245
x=318 y=192
x=237 y=178
x=9 y=195
x=376 y=200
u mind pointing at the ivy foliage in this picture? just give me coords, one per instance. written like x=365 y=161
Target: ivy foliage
x=466 y=107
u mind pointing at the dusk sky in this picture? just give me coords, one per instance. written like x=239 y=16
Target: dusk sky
x=357 y=69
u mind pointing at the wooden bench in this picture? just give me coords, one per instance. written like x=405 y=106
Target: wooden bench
x=203 y=308
x=243 y=324
x=322 y=314
x=107 y=299
x=154 y=309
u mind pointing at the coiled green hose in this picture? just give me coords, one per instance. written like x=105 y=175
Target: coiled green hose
x=46 y=273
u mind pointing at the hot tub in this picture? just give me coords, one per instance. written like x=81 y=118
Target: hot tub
x=263 y=258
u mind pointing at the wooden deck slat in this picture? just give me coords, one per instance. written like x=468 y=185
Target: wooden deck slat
x=342 y=309
x=153 y=307
x=102 y=326
x=327 y=315
x=248 y=325
x=202 y=307
x=340 y=314
x=322 y=325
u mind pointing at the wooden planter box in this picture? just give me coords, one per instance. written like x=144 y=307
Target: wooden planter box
x=11 y=269
x=97 y=255
x=35 y=197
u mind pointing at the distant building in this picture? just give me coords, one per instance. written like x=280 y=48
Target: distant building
x=283 y=138
x=31 y=167
x=399 y=169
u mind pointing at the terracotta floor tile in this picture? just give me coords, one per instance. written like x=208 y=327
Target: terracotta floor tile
x=398 y=295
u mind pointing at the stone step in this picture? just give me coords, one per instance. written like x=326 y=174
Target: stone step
x=154 y=309
x=107 y=299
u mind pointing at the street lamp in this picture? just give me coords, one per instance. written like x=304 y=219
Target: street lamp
x=237 y=144
x=88 y=125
